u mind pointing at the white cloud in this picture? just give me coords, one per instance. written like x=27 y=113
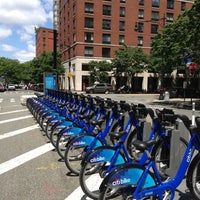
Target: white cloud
x=5 y=32
x=18 y=18
x=6 y=47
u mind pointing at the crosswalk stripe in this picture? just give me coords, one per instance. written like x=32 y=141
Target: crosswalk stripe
x=15 y=119
x=17 y=132
x=17 y=161
x=15 y=111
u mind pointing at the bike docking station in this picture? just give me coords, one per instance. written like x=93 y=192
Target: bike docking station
x=177 y=148
x=176 y=133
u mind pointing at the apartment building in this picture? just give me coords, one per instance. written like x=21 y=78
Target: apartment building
x=94 y=29
x=44 y=40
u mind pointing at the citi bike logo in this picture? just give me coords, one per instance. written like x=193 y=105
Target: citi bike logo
x=120 y=181
x=79 y=143
x=189 y=156
x=68 y=133
x=97 y=159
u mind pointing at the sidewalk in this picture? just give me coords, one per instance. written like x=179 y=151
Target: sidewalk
x=181 y=103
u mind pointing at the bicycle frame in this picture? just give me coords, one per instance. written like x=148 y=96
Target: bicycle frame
x=146 y=187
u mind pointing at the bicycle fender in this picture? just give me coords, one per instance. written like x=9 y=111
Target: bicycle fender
x=64 y=124
x=73 y=131
x=85 y=140
x=130 y=176
x=105 y=154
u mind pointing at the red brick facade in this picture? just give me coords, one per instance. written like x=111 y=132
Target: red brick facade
x=72 y=17
x=44 y=40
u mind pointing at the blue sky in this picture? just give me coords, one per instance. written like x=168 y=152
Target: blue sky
x=18 y=18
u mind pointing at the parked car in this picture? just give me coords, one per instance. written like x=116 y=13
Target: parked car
x=124 y=89
x=11 y=87
x=99 y=88
x=2 y=88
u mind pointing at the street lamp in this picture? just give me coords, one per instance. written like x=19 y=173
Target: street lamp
x=139 y=28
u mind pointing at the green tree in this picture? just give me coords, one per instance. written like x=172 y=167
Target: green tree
x=44 y=63
x=176 y=38
x=99 y=71
x=129 y=61
x=9 y=70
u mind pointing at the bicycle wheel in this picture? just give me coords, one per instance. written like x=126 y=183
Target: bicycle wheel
x=76 y=149
x=132 y=151
x=54 y=135
x=113 y=188
x=95 y=167
x=161 y=154
x=90 y=178
x=73 y=157
x=193 y=177
x=61 y=143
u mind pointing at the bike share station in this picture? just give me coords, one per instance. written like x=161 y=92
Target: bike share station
x=177 y=148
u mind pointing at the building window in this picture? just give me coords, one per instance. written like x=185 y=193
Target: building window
x=106 y=24
x=88 y=51
x=85 y=67
x=121 y=39
x=170 y=4
x=89 y=37
x=154 y=28
x=183 y=6
x=169 y=17
x=141 y=14
x=122 y=12
x=106 y=38
x=122 y=26
x=107 y=10
x=106 y=52
x=155 y=3
x=122 y=1
x=141 y=2
x=89 y=22
x=155 y=16
x=140 y=27
x=140 y=41
x=89 y=8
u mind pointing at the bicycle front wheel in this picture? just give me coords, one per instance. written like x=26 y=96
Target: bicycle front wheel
x=161 y=154
x=90 y=178
x=193 y=177
x=73 y=157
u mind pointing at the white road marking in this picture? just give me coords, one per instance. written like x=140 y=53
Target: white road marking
x=15 y=111
x=17 y=132
x=78 y=193
x=1 y=100
x=15 y=119
x=17 y=161
x=12 y=100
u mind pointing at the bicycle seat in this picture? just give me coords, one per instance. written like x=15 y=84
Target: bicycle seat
x=117 y=135
x=143 y=145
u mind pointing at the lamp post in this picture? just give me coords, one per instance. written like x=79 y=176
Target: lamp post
x=138 y=28
x=55 y=37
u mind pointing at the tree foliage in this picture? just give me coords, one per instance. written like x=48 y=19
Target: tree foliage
x=129 y=61
x=99 y=71
x=182 y=35
x=12 y=71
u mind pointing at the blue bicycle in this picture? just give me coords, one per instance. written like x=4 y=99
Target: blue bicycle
x=133 y=181
x=102 y=160
x=83 y=143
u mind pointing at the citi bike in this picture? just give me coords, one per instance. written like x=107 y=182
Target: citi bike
x=133 y=181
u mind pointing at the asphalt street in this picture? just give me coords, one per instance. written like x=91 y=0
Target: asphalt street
x=30 y=169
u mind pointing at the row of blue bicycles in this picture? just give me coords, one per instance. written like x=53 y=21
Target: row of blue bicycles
x=106 y=143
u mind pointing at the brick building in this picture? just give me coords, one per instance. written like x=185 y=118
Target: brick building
x=94 y=29
x=44 y=40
